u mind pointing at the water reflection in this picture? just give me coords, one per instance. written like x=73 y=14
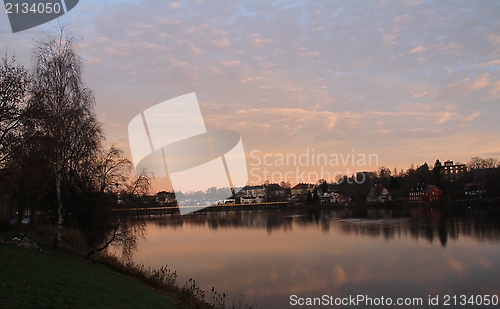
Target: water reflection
x=269 y=255
x=431 y=224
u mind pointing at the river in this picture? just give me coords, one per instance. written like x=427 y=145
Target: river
x=283 y=258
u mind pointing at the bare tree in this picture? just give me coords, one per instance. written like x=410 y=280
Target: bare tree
x=480 y=163
x=475 y=163
x=139 y=185
x=111 y=170
x=492 y=163
x=14 y=83
x=65 y=114
x=101 y=224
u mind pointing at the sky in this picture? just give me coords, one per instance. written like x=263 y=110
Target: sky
x=406 y=82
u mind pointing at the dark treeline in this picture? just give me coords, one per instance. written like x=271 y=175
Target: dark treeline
x=52 y=155
x=401 y=183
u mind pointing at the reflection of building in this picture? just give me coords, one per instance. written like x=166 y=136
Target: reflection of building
x=425 y=194
x=473 y=189
x=453 y=171
x=378 y=193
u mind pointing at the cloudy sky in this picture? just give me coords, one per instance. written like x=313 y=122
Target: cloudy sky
x=409 y=81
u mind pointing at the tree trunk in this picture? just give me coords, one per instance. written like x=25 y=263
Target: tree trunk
x=57 y=242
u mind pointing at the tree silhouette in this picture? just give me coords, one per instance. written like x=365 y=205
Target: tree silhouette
x=65 y=116
x=14 y=83
x=437 y=173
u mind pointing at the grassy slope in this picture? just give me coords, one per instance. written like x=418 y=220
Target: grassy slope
x=30 y=279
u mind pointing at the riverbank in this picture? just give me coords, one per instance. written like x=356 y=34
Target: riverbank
x=30 y=278
x=34 y=275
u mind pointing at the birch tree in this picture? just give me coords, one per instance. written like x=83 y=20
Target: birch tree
x=65 y=115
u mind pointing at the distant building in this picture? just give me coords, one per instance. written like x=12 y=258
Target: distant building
x=300 y=190
x=475 y=189
x=254 y=191
x=252 y=194
x=425 y=194
x=453 y=171
x=333 y=197
x=252 y=199
x=378 y=194
x=275 y=193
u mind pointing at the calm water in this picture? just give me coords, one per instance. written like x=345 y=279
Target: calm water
x=269 y=255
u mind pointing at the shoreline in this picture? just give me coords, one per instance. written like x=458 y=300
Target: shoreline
x=492 y=203
x=33 y=264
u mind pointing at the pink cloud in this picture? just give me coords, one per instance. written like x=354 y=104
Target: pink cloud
x=257 y=42
x=221 y=43
x=473 y=116
x=419 y=95
x=446 y=116
x=418 y=50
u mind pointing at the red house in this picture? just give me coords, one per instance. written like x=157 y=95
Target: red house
x=425 y=194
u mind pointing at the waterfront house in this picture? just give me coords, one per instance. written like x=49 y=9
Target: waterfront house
x=252 y=194
x=475 y=189
x=300 y=190
x=333 y=197
x=425 y=194
x=275 y=193
x=378 y=194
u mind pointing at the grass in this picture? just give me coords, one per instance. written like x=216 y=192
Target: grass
x=32 y=279
x=64 y=279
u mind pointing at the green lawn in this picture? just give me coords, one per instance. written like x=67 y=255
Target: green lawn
x=30 y=279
